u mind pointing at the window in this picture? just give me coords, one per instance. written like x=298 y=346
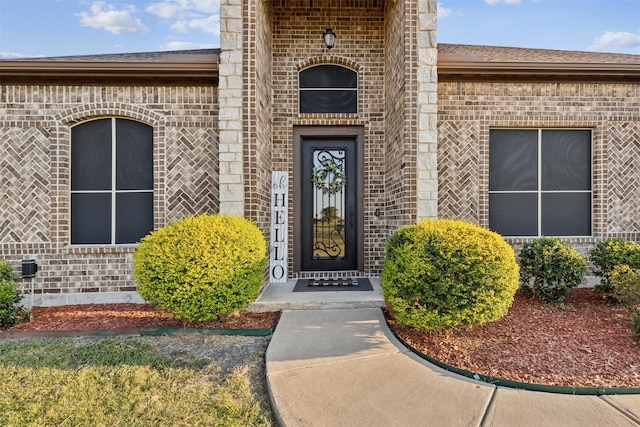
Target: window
x=111 y=182
x=540 y=182
x=328 y=89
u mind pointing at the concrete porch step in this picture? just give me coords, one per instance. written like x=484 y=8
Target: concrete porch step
x=280 y=296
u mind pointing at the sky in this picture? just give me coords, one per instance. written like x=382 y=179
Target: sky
x=43 y=28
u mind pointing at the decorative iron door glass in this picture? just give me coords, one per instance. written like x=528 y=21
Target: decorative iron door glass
x=329 y=204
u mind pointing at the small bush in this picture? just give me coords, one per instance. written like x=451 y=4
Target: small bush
x=444 y=273
x=11 y=312
x=201 y=267
x=625 y=284
x=550 y=268
x=610 y=253
x=6 y=272
x=635 y=322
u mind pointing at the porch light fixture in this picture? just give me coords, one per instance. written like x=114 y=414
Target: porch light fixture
x=329 y=38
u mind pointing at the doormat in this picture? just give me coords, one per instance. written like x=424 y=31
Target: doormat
x=337 y=284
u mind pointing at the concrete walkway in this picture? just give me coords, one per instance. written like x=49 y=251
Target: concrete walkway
x=343 y=367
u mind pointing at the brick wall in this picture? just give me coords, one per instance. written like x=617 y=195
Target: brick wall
x=297 y=44
x=35 y=123
x=468 y=110
x=258 y=105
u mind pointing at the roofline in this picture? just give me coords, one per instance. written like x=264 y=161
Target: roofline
x=457 y=65
x=204 y=67
x=207 y=66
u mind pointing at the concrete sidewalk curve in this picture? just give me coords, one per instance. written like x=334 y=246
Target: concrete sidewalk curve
x=344 y=367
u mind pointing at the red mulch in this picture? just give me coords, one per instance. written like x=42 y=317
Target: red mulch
x=586 y=341
x=115 y=316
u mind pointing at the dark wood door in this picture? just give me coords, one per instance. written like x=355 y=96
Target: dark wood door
x=328 y=205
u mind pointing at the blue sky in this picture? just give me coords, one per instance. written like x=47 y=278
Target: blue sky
x=30 y=28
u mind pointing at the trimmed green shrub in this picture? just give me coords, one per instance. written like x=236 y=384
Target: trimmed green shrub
x=6 y=272
x=445 y=273
x=550 y=268
x=11 y=312
x=610 y=253
x=625 y=284
x=201 y=267
x=636 y=322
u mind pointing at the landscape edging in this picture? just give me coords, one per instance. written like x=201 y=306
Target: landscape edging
x=501 y=382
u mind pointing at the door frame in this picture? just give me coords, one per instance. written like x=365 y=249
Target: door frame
x=300 y=132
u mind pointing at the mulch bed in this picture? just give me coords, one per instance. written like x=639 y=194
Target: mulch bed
x=586 y=341
x=116 y=316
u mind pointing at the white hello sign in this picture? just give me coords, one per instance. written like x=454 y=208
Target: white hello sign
x=279 y=226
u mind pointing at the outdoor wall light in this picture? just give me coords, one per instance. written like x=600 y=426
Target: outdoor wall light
x=329 y=38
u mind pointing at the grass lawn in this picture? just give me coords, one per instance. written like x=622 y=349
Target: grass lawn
x=119 y=382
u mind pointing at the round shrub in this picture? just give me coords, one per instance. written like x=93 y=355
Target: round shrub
x=11 y=312
x=201 y=267
x=607 y=254
x=625 y=284
x=550 y=268
x=445 y=273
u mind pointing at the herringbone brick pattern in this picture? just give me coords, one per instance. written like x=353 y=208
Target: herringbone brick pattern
x=25 y=201
x=458 y=165
x=624 y=175
x=192 y=172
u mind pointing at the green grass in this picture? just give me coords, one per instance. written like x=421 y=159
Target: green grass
x=119 y=382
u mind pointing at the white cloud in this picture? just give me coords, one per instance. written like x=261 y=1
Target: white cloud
x=494 y=2
x=188 y=15
x=104 y=16
x=615 y=41
x=13 y=55
x=209 y=25
x=184 y=9
x=443 y=12
x=164 y=10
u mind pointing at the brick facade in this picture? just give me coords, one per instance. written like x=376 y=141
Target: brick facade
x=391 y=45
x=468 y=110
x=35 y=129
x=424 y=148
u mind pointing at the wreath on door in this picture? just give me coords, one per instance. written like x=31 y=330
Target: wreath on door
x=329 y=178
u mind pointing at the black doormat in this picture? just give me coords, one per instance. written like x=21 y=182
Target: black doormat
x=337 y=284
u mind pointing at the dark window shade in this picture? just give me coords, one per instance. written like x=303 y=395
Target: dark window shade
x=91 y=156
x=328 y=76
x=566 y=214
x=514 y=214
x=328 y=89
x=513 y=160
x=90 y=218
x=92 y=189
x=566 y=160
x=328 y=101
x=134 y=216
x=564 y=188
x=134 y=155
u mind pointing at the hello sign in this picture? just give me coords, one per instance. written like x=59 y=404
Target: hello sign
x=279 y=226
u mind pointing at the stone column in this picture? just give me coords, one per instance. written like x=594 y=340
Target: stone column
x=230 y=91
x=427 y=162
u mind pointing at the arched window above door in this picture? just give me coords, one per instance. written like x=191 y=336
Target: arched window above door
x=328 y=89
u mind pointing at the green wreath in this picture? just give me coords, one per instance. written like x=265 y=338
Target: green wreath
x=329 y=178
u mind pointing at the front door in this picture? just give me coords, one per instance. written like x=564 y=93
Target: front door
x=328 y=208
